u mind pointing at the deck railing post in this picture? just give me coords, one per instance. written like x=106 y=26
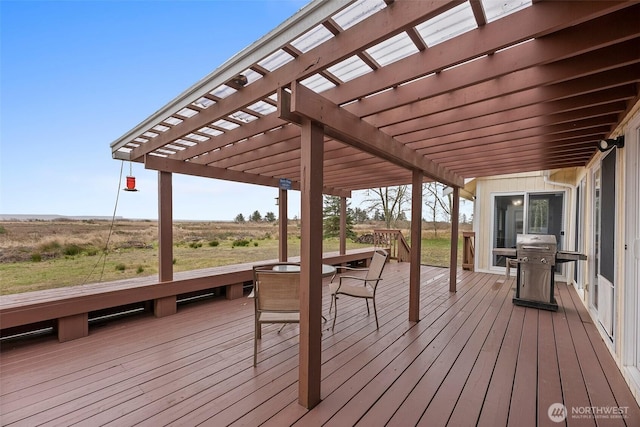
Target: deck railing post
x=416 y=246
x=167 y=305
x=283 y=221
x=310 y=361
x=453 y=261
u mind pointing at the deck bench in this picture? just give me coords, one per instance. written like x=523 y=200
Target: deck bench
x=68 y=309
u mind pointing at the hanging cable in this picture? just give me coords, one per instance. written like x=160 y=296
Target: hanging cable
x=113 y=220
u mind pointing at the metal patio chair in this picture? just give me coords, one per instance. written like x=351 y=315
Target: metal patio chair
x=276 y=298
x=360 y=287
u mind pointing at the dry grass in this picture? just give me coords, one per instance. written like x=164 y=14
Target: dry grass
x=37 y=255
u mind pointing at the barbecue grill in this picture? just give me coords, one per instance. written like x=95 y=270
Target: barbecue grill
x=536 y=258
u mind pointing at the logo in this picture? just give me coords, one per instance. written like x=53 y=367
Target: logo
x=557 y=412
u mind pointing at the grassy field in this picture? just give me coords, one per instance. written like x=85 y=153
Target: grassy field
x=38 y=255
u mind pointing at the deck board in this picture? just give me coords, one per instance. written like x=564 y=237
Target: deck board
x=473 y=359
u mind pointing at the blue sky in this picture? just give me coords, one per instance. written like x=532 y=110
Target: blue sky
x=76 y=75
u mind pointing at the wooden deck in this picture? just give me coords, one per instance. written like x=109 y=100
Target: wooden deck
x=473 y=359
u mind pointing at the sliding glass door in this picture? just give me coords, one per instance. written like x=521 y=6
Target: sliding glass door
x=530 y=213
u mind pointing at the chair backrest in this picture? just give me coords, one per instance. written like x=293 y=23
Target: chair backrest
x=377 y=265
x=276 y=291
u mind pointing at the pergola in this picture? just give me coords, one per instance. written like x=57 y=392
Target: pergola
x=349 y=95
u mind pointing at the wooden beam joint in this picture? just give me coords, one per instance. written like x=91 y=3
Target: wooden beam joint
x=346 y=127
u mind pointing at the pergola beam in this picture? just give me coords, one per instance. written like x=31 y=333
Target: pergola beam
x=188 y=168
x=350 y=129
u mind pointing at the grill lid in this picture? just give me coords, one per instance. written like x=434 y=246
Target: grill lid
x=537 y=242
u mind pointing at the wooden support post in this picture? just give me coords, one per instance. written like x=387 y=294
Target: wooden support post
x=453 y=261
x=311 y=160
x=165 y=306
x=343 y=225
x=234 y=291
x=416 y=246
x=283 y=220
x=73 y=327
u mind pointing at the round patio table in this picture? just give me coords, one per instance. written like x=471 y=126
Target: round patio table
x=327 y=270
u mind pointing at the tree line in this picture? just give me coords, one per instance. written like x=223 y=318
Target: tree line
x=256 y=216
x=387 y=204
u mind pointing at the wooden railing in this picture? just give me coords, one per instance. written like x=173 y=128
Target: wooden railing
x=70 y=310
x=395 y=241
x=469 y=251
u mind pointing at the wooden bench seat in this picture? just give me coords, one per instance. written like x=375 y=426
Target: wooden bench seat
x=67 y=309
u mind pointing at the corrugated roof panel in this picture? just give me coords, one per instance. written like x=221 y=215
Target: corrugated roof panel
x=223 y=91
x=173 y=120
x=161 y=128
x=203 y=102
x=209 y=131
x=276 y=60
x=448 y=25
x=357 y=12
x=251 y=76
x=185 y=142
x=496 y=9
x=317 y=83
x=311 y=39
x=243 y=117
x=224 y=124
x=393 y=49
x=262 y=107
x=350 y=69
x=187 y=112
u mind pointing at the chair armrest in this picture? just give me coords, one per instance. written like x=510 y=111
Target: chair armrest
x=362 y=279
x=349 y=277
x=346 y=269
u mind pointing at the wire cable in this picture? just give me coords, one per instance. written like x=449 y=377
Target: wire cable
x=106 y=245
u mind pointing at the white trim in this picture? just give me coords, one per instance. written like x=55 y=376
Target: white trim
x=580 y=230
x=591 y=256
x=631 y=301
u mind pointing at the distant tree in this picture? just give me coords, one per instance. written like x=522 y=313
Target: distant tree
x=390 y=201
x=270 y=217
x=360 y=216
x=331 y=218
x=239 y=219
x=438 y=205
x=255 y=217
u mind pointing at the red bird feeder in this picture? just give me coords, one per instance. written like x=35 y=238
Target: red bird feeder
x=131 y=181
x=131 y=184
